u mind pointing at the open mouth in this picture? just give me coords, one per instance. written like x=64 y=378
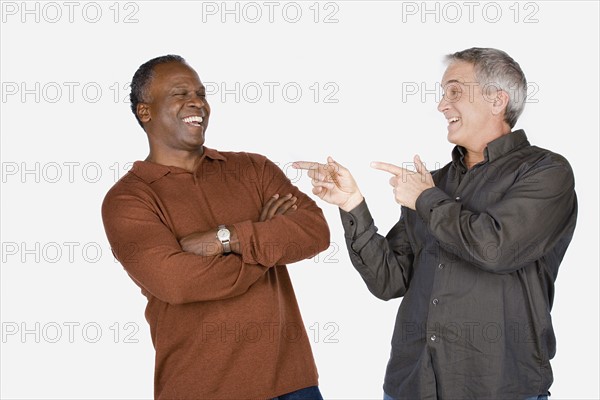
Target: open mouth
x=453 y=120
x=193 y=120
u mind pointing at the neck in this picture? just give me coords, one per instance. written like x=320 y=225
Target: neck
x=183 y=159
x=472 y=158
x=474 y=155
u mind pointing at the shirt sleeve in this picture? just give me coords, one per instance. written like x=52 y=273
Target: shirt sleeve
x=286 y=238
x=536 y=212
x=152 y=256
x=384 y=263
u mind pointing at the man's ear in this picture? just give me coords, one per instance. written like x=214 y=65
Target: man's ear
x=500 y=102
x=143 y=112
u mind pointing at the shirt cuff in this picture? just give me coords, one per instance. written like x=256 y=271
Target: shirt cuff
x=358 y=225
x=356 y=221
x=428 y=200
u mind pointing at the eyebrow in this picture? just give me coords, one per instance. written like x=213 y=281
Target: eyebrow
x=452 y=81
x=186 y=87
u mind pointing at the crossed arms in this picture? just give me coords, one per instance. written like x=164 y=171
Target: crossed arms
x=192 y=268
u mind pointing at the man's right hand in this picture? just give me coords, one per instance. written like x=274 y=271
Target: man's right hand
x=333 y=183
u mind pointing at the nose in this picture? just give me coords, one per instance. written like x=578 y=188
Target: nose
x=197 y=101
x=443 y=105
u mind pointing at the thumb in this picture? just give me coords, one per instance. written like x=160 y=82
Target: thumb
x=330 y=160
x=337 y=167
x=420 y=165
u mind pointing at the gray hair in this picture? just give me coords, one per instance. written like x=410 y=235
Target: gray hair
x=495 y=67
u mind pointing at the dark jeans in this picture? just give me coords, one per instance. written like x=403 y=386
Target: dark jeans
x=309 y=393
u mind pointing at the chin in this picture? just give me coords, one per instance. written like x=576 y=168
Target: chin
x=194 y=142
x=452 y=137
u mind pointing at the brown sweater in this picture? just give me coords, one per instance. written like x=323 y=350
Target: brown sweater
x=224 y=327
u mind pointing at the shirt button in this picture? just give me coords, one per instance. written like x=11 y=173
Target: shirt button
x=457 y=198
x=435 y=302
x=433 y=338
x=441 y=266
x=351 y=223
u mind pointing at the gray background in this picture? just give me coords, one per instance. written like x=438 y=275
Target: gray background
x=72 y=320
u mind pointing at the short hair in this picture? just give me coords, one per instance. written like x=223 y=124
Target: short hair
x=142 y=79
x=495 y=67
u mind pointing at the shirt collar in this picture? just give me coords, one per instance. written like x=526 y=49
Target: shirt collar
x=496 y=148
x=150 y=172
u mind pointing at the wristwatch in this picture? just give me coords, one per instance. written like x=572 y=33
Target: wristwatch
x=224 y=236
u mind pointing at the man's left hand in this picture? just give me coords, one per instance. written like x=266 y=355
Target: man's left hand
x=408 y=185
x=278 y=205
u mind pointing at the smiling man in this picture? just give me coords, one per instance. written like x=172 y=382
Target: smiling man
x=477 y=248
x=206 y=235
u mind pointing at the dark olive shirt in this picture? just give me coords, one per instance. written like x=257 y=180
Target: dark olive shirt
x=476 y=264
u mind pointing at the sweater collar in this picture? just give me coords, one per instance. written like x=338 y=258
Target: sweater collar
x=151 y=172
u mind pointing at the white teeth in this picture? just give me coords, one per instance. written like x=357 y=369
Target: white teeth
x=453 y=119
x=192 y=119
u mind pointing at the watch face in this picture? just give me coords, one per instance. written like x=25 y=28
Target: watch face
x=223 y=234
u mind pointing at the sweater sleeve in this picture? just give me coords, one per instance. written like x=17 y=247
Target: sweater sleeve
x=152 y=256
x=286 y=238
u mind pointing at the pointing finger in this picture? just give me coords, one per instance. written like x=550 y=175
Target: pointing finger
x=307 y=165
x=391 y=168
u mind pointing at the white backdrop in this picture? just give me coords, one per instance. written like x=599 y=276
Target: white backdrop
x=292 y=80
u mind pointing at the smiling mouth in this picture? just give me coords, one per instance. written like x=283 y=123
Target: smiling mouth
x=453 y=120
x=193 y=120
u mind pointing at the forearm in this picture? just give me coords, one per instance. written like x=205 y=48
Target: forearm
x=152 y=256
x=208 y=244
x=383 y=262
x=532 y=216
x=284 y=239
x=178 y=277
x=276 y=238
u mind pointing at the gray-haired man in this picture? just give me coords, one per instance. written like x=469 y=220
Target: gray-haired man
x=476 y=250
